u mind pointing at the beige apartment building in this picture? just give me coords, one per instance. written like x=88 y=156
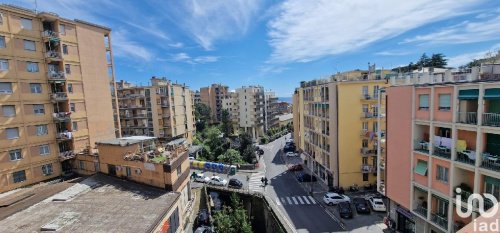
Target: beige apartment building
x=212 y=97
x=55 y=77
x=163 y=109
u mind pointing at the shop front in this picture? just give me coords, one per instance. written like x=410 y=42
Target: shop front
x=405 y=220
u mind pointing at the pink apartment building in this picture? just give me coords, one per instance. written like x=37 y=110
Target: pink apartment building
x=443 y=133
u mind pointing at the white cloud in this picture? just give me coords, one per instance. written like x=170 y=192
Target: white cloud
x=176 y=45
x=126 y=48
x=391 y=53
x=465 y=58
x=307 y=30
x=465 y=32
x=205 y=59
x=184 y=57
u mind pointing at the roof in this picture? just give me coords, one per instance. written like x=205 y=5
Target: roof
x=177 y=141
x=126 y=140
x=285 y=117
x=194 y=148
x=99 y=203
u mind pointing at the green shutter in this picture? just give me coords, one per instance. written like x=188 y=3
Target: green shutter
x=491 y=180
x=493 y=93
x=445 y=100
x=421 y=167
x=470 y=94
x=423 y=101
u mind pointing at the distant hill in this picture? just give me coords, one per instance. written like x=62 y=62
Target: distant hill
x=285 y=99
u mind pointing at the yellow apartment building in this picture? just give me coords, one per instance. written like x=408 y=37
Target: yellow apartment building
x=55 y=99
x=212 y=96
x=335 y=125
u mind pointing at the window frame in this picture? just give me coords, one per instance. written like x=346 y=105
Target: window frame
x=3 y=110
x=6 y=91
x=15 y=155
x=72 y=107
x=42 y=130
x=32 y=67
x=65 y=49
x=73 y=124
x=29 y=42
x=3 y=42
x=67 y=68
x=7 y=134
x=444 y=108
x=42 y=112
x=81 y=164
x=442 y=207
x=70 y=87
x=44 y=150
x=62 y=29
x=4 y=64
x=47 y=169
x=420 y=107
x=493 y=189
x=36 y=88
x=23 y=26
x=442 y=174
x=16 y=177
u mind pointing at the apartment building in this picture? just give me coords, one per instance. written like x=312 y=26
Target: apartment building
x=163 y=109
x=55 y=77
x=197 y=97
x=212 y=96
x=271 y=112
x=442 y=134
x=336 y=124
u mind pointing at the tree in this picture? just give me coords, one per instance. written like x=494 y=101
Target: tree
x=438 y=61
x=246 y=147
x=231 y=156
x=424 y=61
x=215 y=142
x=225 y=124
x=232 y=219
x=202 y=115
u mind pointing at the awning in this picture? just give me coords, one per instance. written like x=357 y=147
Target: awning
x=492 y=94
x=421 y=167
x=470 y=94
x=491 y=180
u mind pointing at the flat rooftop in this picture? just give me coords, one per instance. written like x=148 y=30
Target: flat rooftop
x=126 y=140
x=99 y=203
x=285 y=117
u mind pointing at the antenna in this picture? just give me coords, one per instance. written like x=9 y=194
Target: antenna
x=36 y=7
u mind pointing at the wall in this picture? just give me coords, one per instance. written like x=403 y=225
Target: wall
x=422 y=114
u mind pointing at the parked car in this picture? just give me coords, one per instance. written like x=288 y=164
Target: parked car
x=291 y=154
x=203 y=218
x=377 y=204
x=361 y=205
x=332 y=198
x=203 y=229
x=296 y=167
x=200 y=177
x=216 y=180
x=304 y=177
x=345 y=210
x=235 y=183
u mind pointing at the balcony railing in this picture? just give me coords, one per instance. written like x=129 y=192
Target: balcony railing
x=422 y=211
x=52 y=55
x=421 y=146
x=464 y=157
x=368 y=97
x=442 y=151
x=49 y=34
x=64 y=136
x=365 y=151
x=491 y=119
x=467 y=118
x=440 y=221
x=367 y=115
x=66 y=155
x=365 y=168
x=61 y=116
x=491 y=162
x=56 y=75
x=59 y=96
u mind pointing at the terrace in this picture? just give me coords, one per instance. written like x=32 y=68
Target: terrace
x=442 y=143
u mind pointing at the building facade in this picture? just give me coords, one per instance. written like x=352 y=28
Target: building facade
x=212 y=97
x=443 y=135
x=163 y=109
x=323 y=123
x=271 y=119
x=56 y=76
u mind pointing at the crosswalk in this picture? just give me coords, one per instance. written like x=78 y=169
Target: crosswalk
x=296 y=200
x=255 y=183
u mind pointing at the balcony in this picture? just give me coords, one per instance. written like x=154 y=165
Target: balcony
x=58 y=96
x=420 y=210
x=64 y=136
x=50 y=34
x=56 y=76
x=65 y=155
x=442 y=145
x=61 y=116
x=365 y=168
x=467 y=118
x=421 y=146
x=367 y=115
x=491 y=119
x=491 y=162
x=442 y=151
x=440 y=221
x=52 y=56
x=165 y=105
x=365 y=151
x=467 y=157
x=368 y=97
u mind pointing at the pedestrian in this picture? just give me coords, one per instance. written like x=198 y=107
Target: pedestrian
x=248 y=178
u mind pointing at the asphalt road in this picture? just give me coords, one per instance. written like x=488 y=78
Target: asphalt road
x=301 y=210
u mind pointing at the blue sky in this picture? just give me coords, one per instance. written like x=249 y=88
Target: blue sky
x=279 y=43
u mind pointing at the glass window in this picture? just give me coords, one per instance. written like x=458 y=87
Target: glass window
x=365 y=126
x=179 y=170
x=70 y=88
x=47 y=169
x=82 y=165
x=74 y=125
x=129 y=171
x=62 y=29
x=2 y=42
x=9 y=110
x=19 y=176
x=42 y=130
x=444 y=102
x=365 y=176
x=26 y=24
x=365 y=107
x=36 y=88
x=32 y=67
x=44 y=149
x=442 y=174
x=442 y=207
x=4 y=64
x=65 y=49
x=423 y=101
x=29 y=45
x=375 y=91
x=493 y=189
x=365 y=90
x=5 y=88
x=72 y=107
x=15 y=155
x=12 y=133
x=38 y=109
x=67 y=68
x=375 y=126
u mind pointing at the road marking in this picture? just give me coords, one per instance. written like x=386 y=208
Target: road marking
x=295 y=200
x=300 y=200
x=289 y=201
x=312 y=199
x=278 y=201
x=283 y=200
x=305 y=200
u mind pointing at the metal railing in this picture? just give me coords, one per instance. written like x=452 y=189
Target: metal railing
x=64 y=136
x=467 y=118
x=464 y=159
x=50 y=33
x=442 y=152
x=367 y=115
x=491 y=119
x=368 y=97
x=52 y=54
x=365 y=168
x=440 y=221
x=59 y=96
x=491 y=163
x=421 y=146
x=61 y=116
x=56 y=75
x=421 y=211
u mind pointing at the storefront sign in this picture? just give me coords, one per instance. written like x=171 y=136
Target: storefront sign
x=405 y=212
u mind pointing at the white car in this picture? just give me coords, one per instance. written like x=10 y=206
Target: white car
x=332 y=198
x=215 y=180
x=291 y=154
x=200 y=177
x=377 y=204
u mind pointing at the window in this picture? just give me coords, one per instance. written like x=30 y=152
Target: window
x=375 y=126
x=442 y=207
x=5 y=88
x=421 y=167
x=375 y=91
x=9 y=110
x=19 y=176
x=32 y=67
x=62 y=29
x=442 y=174
x=2 y=42
x=29 y=45
x=36 y=88
x=65 y=49
x=70 y=88
x=44 y=149
x=444 y=102
x=38 y=109
x=12 y=133
x=364 y=143
x=364 y=161
x=492 y=188
x=67 y=68
x=365 y=107
x=47 y=169
x=423 y=101
x=15 y=155
x=72 y=107
x=97 y=167
x=82 y=165
x=365 y=176
x=179 y=171
x=74 y=126
x=26 y=24
x=42 y=130
x=365 y=90
x=129 y=171
x=4 y=64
